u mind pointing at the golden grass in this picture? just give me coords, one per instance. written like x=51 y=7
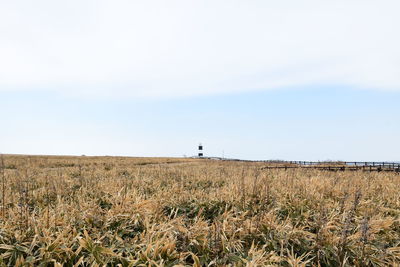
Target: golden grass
x=82 y=211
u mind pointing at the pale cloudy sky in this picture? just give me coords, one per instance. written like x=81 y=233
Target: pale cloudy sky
x=106 y=55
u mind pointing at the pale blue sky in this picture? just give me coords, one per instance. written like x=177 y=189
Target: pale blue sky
x=295 y=80
x=298 y=123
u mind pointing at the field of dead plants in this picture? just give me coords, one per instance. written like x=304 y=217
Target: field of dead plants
x=95 y=211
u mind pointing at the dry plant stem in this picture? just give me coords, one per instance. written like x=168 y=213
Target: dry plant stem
x=3 y=186
x=364 y=236
x=243 y=189
x=47 y=203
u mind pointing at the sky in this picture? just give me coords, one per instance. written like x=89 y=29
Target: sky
x=293 y=80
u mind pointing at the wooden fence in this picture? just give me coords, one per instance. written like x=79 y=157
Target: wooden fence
x=338 y=166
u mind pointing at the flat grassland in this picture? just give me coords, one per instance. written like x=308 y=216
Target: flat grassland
x=95 y=211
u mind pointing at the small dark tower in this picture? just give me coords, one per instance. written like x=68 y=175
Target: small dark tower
x=200 y=151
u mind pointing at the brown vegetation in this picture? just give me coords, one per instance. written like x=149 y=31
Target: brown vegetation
x=80 y=211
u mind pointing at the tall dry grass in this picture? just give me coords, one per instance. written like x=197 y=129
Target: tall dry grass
x=81 y=211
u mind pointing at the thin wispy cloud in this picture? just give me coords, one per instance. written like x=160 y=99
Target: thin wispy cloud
x=186 y=48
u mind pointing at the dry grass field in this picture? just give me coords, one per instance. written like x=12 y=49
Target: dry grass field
x=95 y=211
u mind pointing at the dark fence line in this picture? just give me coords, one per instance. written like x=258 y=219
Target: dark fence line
x=339 y=166
x=348 y=163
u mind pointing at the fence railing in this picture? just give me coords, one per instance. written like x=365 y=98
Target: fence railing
x=382 y=164
x=339 y=165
